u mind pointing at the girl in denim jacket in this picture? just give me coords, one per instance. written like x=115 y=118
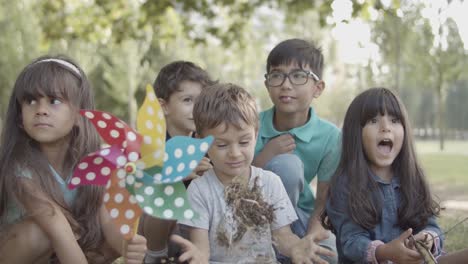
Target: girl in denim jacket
x=379 y=197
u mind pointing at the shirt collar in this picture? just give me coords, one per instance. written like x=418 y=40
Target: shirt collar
x=58 y=177
x=395 y=181
x=303 y=133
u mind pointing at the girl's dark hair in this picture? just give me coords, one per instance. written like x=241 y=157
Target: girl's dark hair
x=416 y=205
x=19 y=153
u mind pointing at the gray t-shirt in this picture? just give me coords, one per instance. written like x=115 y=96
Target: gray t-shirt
x=206 y=195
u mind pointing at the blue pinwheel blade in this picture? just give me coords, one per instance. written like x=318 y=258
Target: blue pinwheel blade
x=182 y=156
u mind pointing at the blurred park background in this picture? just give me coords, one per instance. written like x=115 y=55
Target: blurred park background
x=419 y=48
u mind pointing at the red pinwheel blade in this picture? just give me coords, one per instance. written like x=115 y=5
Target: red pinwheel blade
x=97 y=167
x=115 y=132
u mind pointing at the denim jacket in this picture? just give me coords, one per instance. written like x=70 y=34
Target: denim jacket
x=352 y=240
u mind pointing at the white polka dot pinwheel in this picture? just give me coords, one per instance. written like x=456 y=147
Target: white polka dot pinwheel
x=140 y=170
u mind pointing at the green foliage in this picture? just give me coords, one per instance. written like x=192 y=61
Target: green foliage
x=18 y=43
x=122 y=44
x=421 y=106
x=457 y=112
x=119 y=74
x=421 y=57
x=98 y=21
x=223 y=19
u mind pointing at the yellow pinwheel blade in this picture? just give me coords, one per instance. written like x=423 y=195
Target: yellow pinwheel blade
x=152 y=125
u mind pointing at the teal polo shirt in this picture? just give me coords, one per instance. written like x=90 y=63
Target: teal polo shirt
x=318 y=145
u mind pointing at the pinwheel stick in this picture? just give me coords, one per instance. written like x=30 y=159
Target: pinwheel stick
x=125 y=242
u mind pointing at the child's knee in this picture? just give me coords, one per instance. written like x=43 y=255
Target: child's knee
x=290 y=169
x=25 y=242
x=105 y=254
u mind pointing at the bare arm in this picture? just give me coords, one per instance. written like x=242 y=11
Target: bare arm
x=285 y=240
x=50 y=218
x=278 y=145
x=199 y=237
x=190 y=253
x=304 y=250
x=315 y=227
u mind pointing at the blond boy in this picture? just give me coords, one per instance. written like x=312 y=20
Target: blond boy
x=226 y=231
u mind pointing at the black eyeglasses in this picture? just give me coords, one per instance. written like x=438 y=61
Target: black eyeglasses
x=296 y=77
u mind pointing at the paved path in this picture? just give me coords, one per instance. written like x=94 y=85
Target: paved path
x=455 y=205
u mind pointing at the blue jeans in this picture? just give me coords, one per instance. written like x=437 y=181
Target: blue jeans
x=290 y=169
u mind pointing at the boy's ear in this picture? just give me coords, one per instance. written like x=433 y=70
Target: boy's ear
x=163 y=104
x=319 y=87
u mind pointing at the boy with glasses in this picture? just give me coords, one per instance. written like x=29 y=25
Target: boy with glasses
x=293 y=141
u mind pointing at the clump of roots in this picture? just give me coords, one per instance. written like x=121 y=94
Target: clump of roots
x=249 y=208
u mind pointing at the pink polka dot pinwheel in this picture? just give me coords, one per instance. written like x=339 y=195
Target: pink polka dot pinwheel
x=141 y=171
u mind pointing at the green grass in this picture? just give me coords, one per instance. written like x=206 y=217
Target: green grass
x=446 y=169
x=456 y=238
x=447 y=172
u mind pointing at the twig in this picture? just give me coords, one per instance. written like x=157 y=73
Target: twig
x=450 y=229
x=425 y=252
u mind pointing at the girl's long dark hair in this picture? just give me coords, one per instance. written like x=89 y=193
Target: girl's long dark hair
x=417 y=204
x=20 y=153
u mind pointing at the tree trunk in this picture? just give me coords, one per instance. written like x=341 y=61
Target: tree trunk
x=440 y=110
x=440 y=79
x=397 y=26
x=440 y=119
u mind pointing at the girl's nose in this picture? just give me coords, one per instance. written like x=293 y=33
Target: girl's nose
x=385 y=125
x=42 y=108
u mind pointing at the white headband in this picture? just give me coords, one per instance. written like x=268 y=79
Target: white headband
x=64 y=63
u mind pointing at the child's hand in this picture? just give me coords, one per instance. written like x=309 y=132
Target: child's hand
x=318 y=234
x=424 y=237
x=397 y=251
x=308 y=251
x=136 y=249
x=203 y=166
x=280 y=145
x=191 y=253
